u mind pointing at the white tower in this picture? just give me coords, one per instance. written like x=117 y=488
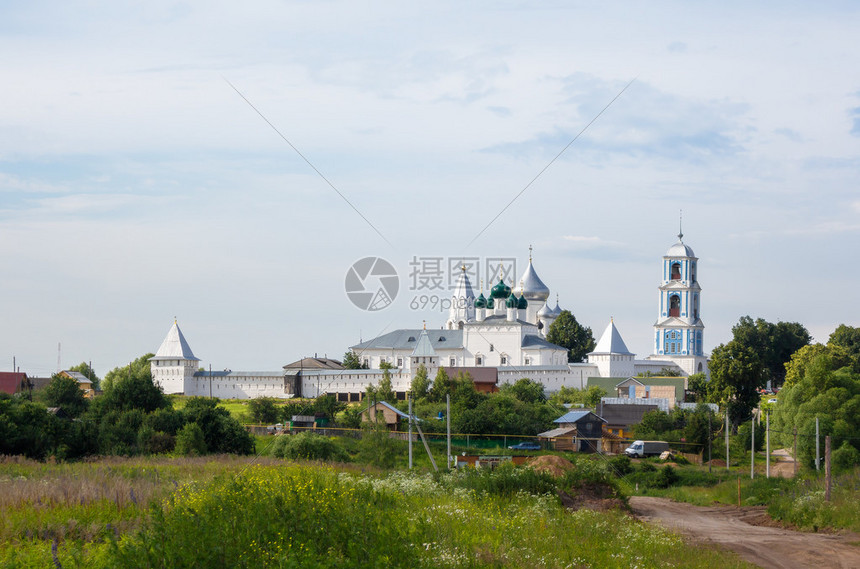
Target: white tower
x=174 y=364
x=462 y=303
x=611 y=355
x=679 y=331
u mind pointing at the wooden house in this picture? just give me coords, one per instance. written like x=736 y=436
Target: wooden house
x=382 y=411
x=577 y=431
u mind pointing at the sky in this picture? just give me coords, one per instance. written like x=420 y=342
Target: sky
x=224 y=164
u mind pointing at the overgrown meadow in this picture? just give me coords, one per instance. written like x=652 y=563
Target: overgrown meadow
x=230 y=512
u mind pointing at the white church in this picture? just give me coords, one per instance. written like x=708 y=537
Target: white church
x=497 y=339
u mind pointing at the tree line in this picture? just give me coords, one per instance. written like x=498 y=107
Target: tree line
x=132 y=416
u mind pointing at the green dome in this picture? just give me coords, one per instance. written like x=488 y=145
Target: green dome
x=512 y=301
x=490 y=303
x=523 y=303
x=481 y=302
x=501 y=290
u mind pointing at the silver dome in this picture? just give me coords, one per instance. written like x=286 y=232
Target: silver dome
x=532 y=287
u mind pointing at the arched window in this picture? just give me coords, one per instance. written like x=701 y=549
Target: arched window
x=695 y=306
x=676 y=271
x=674 y=305
x=700 y=367
x=693 y=272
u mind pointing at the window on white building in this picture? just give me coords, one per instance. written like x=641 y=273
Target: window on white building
x=479 y=360
x=528 y=361
x=399 y=362
x=504 y=360
x=452 y=362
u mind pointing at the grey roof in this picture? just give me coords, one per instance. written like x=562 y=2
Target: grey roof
x=611 y=342
x=423 y=347
x=407 y=339
x=231 y=373
x=532 y=341
x=559 y=432
x=315 y=363
x=574 y=416
x=680 y=249
x=624 y=415
x=174 y=346
x=532 y=286
x=77 y=376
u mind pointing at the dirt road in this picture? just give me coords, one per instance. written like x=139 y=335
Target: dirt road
x=768 y=547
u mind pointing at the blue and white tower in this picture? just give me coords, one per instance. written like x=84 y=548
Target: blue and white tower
x=679 y=331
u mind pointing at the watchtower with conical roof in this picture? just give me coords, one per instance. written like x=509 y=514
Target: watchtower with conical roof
x=174 y=364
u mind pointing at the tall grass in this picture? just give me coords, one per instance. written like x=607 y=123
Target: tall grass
x=316 y=517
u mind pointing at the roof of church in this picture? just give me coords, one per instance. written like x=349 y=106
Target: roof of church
x=315 y=363
x=531 y=341
x=611 y=342
x=532 y=287
x=423 y=348
x=680 y=249
x=174 y=346
x=408 y=338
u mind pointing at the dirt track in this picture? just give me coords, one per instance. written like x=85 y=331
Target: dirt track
x=765 y=546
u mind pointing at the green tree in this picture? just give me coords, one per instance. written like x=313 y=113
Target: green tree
x=131 y=387
x=566 y=332
x=773 y=343
x=190 y=441
x=351 y=360
x=698 y=384
x=442 y=386
x=84 y=369
x=385 y=392
x=222 y=433
x=65 y=393
x=420 y=383
x=263 y=410
x=821 y=382
x=736 y=377
x=588 y=397
x=328 y=405
x=526 y=390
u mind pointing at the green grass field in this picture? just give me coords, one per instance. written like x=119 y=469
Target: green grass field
x=234 y=512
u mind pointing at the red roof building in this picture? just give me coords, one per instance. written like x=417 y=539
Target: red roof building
x=12 y=382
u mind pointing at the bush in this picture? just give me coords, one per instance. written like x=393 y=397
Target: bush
x=621 y=465
x=667 y=477
x=190 y=441
x=308 y=446
x=845 y=457
x=505 y=480
x=376 y=446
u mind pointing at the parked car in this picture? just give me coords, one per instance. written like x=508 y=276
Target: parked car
x=772 y=400
x=525 y=446
x=641 y=449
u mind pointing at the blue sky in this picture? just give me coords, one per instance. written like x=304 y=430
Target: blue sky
x=136 y=185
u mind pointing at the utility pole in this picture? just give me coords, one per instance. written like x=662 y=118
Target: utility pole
x=752 y=450
x=827 y=477
x=210 y=381
x=710 y=436
x=409 y=397
x=727 y=437
x=767 y=443
x=448 y=417
x=817 y=452
x=795 y=450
